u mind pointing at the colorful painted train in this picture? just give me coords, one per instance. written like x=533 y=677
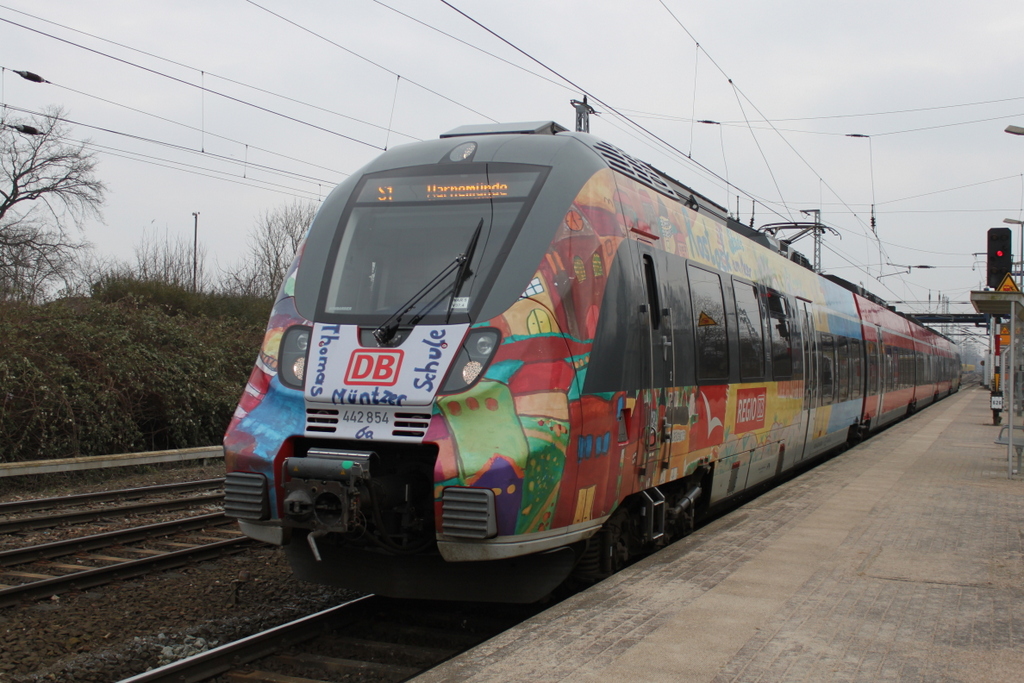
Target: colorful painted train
x=516 y=354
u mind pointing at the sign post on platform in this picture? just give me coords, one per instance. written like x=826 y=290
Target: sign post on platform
x=1010 y=380
x=1008 y=299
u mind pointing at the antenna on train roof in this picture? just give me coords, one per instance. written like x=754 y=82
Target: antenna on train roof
x=583 y=112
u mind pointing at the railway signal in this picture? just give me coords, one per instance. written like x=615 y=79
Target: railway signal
x=999 y=255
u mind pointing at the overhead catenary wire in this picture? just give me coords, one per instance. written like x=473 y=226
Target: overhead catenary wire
x=208 y=73
x=191 y=127
x=175 y=146
x=661 y=141
x=182 y=81
x=205 y=172
x=475 y=47
x=366 y=59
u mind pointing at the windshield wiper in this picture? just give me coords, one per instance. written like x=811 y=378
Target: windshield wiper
x=464 y=270
x=387 y=330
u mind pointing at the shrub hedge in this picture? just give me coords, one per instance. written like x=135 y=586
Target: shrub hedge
x=93 y=376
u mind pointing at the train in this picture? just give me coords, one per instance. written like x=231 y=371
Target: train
x=516 y=356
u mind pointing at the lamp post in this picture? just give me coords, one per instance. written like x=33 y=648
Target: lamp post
x=1017 y=130
x=871 y=169
x=195 y=248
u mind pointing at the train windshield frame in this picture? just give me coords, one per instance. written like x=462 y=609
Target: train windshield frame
x=403 y=231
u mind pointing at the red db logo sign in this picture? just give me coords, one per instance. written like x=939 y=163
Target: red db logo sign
x=374 y=368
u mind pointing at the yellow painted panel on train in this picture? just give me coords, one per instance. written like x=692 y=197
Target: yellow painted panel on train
x=598 y=191
x=550 y=404
x=527 y=318
x=821 y=417
x=584 y=504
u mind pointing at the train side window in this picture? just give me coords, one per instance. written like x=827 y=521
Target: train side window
x=708 y=308
x=856 y=369
x=810 y=343
x=778 y=324
x=749 y=330
x=827 y=370
x=843 y=372
x=653 y=300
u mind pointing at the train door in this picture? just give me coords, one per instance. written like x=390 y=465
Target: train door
x=880 y=382
x=812 y=389
x=657 y=348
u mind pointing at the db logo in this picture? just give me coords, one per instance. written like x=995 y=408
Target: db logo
x=374 y=368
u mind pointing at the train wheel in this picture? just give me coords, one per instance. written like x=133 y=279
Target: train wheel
x=615 y=543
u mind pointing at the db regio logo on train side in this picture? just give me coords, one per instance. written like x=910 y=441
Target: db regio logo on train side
x=750 y=404
x=377 y=368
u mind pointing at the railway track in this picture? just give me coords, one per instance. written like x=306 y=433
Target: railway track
x=44 y=570
x=373 y=638
x=57 y=513
x=75 y=564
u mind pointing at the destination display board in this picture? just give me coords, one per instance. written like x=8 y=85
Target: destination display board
x=449 y=187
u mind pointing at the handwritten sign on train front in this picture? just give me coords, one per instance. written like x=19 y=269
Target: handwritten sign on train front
x=344 y=373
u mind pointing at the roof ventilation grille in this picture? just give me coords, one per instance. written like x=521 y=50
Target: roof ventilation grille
x=634 y=168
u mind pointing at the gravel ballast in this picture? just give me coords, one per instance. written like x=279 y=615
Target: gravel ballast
x=121 y=629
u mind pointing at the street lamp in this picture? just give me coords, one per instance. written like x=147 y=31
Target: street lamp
x=1015 y=130
x=23 y=128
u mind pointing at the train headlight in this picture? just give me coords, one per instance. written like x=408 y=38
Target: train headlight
x=473 y=358
x=463 y=152
x=291 y=360
x=470 y=371
x=485 y=345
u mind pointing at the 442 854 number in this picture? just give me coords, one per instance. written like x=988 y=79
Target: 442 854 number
x=371 y=417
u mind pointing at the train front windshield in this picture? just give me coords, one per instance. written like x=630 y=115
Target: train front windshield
x=406 y=231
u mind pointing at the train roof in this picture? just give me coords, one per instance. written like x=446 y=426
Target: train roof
x=663 y=183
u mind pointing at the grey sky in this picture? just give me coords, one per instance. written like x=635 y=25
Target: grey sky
x=934 y=84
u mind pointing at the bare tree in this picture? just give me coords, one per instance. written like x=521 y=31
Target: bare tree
x=272 y=246
x=170 y=262
x=47 y=186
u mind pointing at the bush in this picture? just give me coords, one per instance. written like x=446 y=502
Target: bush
x=108 y=375
x=176 y=300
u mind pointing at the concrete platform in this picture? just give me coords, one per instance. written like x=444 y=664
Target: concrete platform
x=900 y=559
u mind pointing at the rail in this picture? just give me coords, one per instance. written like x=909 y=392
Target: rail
x=369 y=639
x=90 y=577
x=32 y=504
x=218 y=660
x=94 y=462
x=52 y=520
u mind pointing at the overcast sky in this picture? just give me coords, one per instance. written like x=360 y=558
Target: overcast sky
x=300 y=94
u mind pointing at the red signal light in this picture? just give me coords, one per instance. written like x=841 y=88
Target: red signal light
x=999 y=252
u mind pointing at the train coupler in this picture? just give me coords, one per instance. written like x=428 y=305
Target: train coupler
x=325 y=490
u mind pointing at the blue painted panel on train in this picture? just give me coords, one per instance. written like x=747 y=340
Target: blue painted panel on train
x=843 y=326
x=838 y=299
x=844 y=414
